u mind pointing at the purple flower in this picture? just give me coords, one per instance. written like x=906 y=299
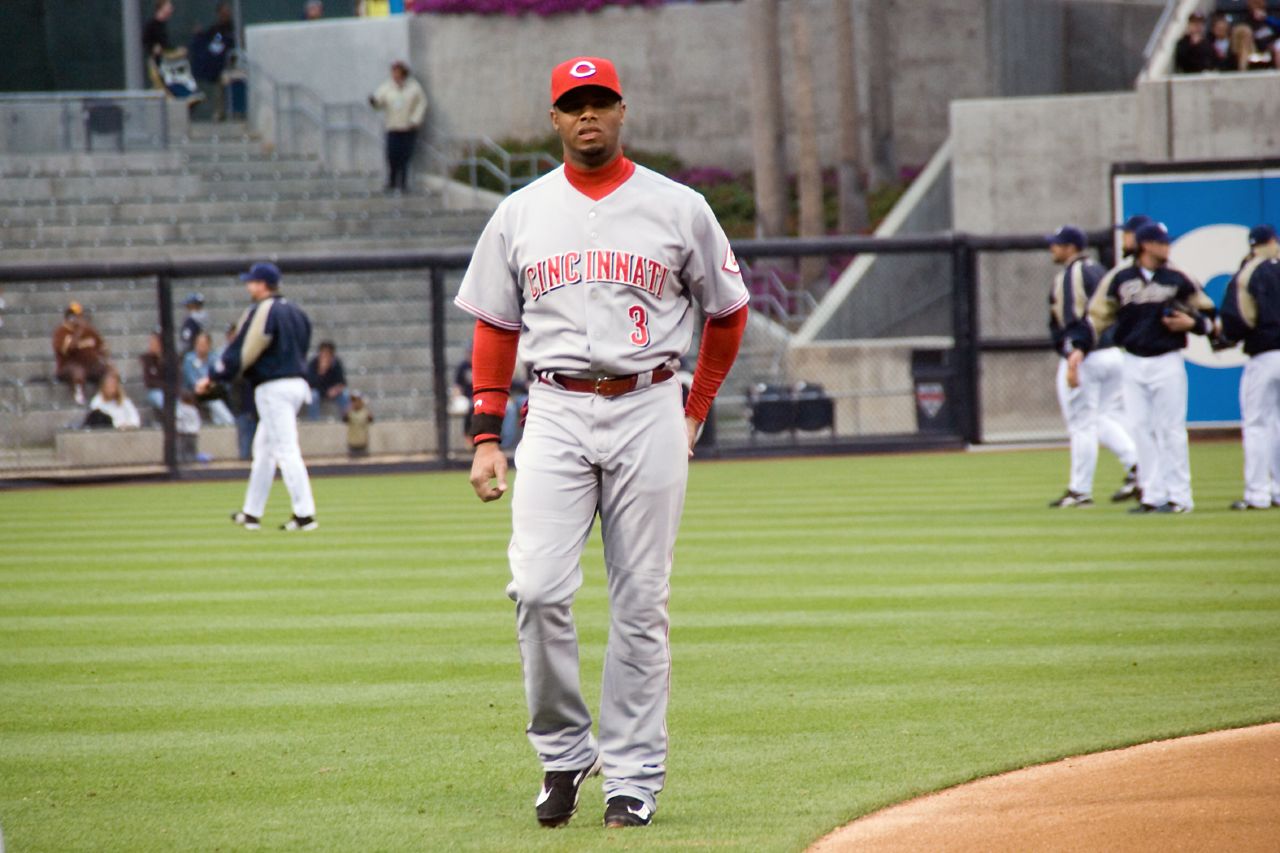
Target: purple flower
x=522 y=7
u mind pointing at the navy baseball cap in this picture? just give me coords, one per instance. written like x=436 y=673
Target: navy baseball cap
x=264 y=272
x=196 y=298
x=1260 y=234
x=1067 y=235
x=1152 y=232
x=1133 y=223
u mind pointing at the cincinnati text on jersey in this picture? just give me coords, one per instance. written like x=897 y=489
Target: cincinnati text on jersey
x=596 y=266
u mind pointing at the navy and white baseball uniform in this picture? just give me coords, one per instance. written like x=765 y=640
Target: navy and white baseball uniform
x=269 y=350
x=1094 y=409
x=1251 y=313
x=1135 y=300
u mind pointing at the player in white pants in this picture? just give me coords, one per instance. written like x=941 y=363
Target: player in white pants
x=269 y=349
x=1251 y=313
x=1090 y=397
x=1152 y=306
x=1095 y=413
x=595 y=271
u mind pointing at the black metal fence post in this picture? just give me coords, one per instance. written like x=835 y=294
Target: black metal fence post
x=169 y=360
x=964 y=322
x=439 y=364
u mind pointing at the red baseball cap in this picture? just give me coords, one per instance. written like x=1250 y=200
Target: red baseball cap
x=584 y=71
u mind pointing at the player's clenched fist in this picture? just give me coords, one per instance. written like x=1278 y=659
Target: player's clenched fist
x=489 y=464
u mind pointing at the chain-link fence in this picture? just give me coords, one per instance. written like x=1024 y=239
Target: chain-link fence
x=404 y=346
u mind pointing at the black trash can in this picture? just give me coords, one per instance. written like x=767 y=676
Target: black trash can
x=933 y=378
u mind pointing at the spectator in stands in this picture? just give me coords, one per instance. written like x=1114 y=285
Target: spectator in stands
x=1245 y=48
x=79 y=351
x=195 y=366
x=1220 y=43
x=208 y=51
x=327 y=379
x=404 y=104
x=110 y=406
x=1264 y=28
x=197 y=321
x=1194 y=53
x=187 y=425
x=461 y=391
x=313 y=11
x=358 y=418
x=155 y=34
x=153 y=371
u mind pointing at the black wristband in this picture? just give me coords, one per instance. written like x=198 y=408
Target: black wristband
x=482 y=424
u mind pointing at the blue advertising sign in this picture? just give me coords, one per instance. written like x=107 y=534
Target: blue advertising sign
x=1208 y=209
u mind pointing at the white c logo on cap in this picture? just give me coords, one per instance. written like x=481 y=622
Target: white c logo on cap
x=582 y=69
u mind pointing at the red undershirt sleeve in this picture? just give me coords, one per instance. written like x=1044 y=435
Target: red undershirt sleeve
x=721 y=337
x=493 y=360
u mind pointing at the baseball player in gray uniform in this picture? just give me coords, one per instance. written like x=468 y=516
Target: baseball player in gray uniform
x=596 y=271
x=1251 y=313
x=270 y=350
x=1091 y=399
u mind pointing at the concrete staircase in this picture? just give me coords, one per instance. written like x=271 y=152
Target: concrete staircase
x=219 y=193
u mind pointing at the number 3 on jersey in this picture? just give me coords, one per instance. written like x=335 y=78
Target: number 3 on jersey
x=640 y=317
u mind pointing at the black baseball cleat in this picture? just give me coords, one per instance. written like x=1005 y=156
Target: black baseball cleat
x=622 y=812
x=1129 y=489
x=304 y=522
x=1245 y=505
x=1173 y=508
x=1070 y=498
x=248 y=522
x=558 y=799
x=1141 y=509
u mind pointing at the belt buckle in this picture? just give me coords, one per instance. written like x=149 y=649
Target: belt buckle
x=596 y=385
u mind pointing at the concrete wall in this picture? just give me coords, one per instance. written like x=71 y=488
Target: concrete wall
x=87 y=448
x=1027 y=165
x=1031 y=164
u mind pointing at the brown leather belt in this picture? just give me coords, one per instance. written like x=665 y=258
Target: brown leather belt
x=605 y=386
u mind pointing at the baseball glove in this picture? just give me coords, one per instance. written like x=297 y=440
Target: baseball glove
x=213 y=392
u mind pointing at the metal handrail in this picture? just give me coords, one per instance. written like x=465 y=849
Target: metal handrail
x=297 y=99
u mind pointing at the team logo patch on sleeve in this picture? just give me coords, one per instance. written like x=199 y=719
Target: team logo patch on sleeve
x=731 y=261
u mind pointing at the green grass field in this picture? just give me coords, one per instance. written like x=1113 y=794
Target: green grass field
x=847 y=633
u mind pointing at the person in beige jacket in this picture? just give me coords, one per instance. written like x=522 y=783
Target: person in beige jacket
x=404 y=106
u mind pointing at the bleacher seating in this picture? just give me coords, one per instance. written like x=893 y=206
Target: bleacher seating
x=224 y=196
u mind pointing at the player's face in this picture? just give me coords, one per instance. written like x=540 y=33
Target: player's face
x=1062 y=252
x=589 y=121
x=258 y=290
x=1159 y=252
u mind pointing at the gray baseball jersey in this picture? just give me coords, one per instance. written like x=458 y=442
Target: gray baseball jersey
x=602 y=287
x=606 y=288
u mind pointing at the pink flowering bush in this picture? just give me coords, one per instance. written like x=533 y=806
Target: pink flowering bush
x=522 y=7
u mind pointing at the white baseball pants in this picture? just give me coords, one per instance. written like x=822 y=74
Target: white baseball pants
x=626 y=458
x=275 y=443
x=1094 y=412
x=1260 y=413
x=1155 y=398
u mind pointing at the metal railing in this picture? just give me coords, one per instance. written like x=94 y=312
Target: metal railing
x=874 y=410
x=303 y=122
x=63 y=122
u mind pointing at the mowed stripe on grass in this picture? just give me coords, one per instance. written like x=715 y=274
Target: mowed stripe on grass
x=846 y=632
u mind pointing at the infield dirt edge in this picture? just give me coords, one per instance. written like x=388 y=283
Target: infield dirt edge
x=1218 y=790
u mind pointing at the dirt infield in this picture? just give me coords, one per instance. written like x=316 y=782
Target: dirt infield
x=1217 y=791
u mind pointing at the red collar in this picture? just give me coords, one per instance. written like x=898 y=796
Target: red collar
x=598 y=183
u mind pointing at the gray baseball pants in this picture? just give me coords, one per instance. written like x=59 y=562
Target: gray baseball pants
x=625 y=458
